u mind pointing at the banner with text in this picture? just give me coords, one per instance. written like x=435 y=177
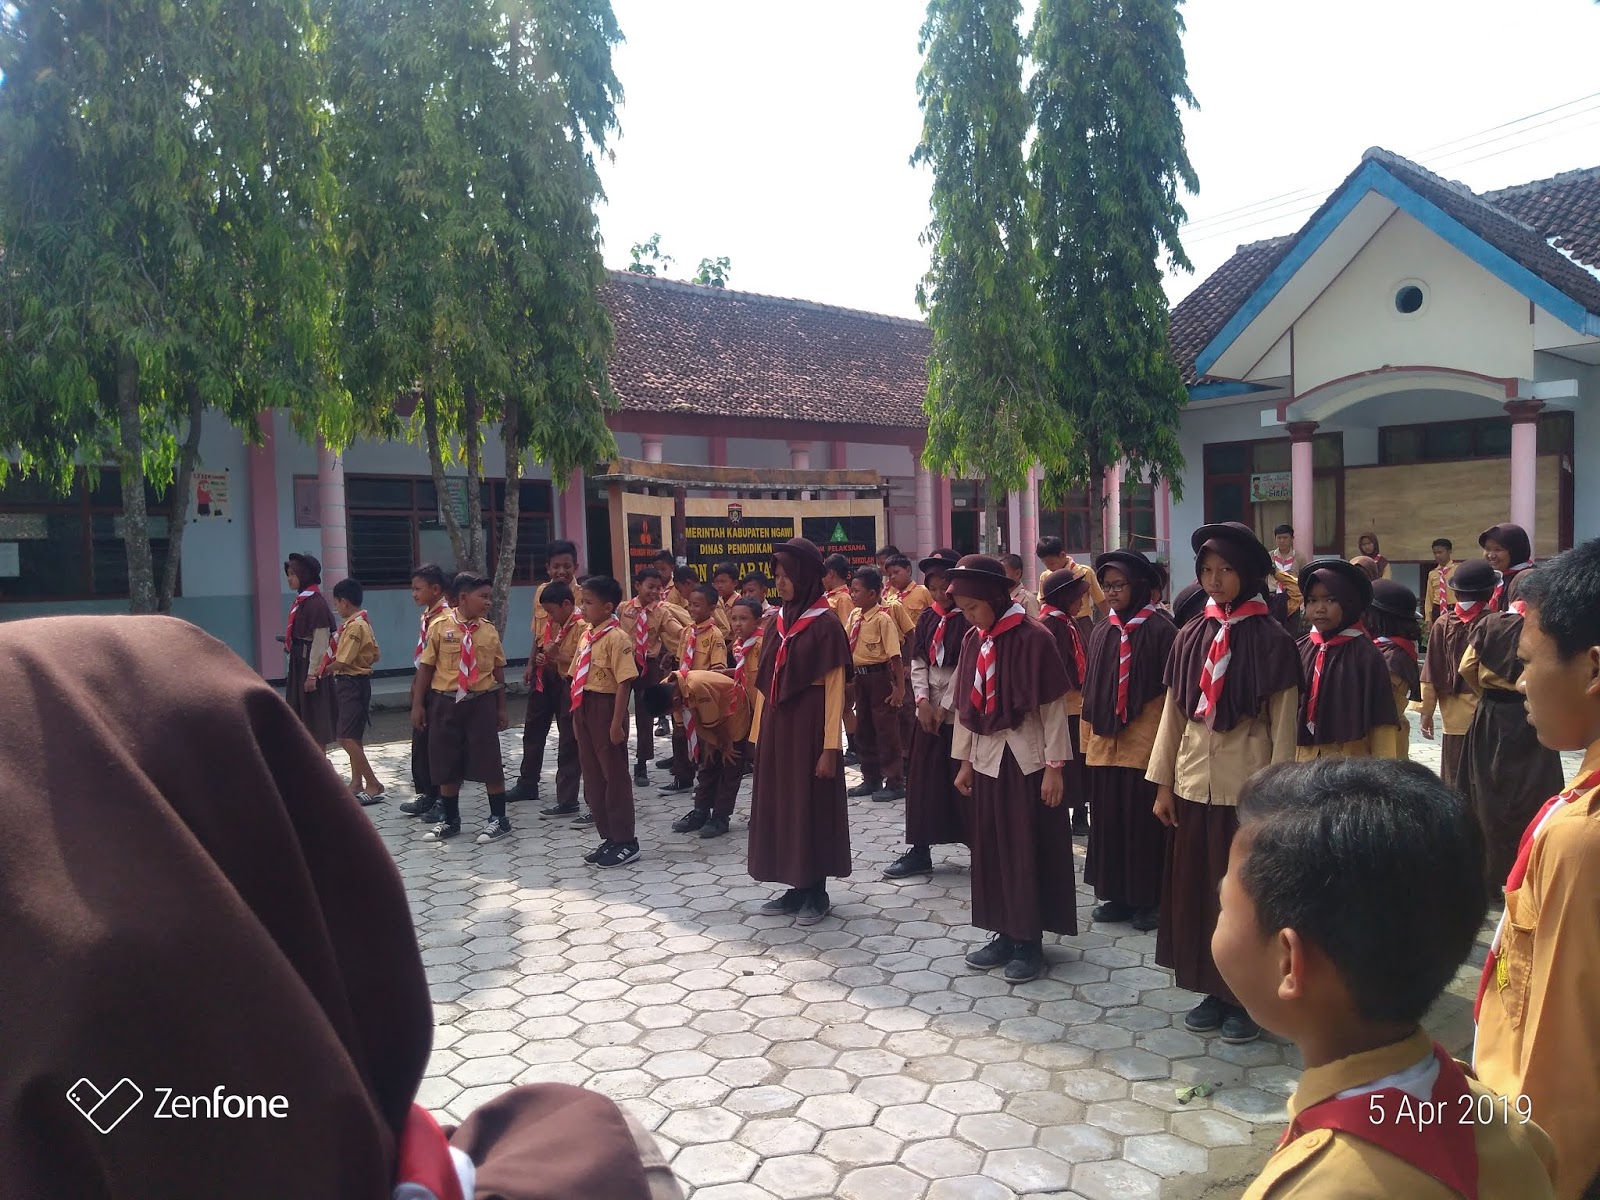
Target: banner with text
x=746 y=543
x=854 y=537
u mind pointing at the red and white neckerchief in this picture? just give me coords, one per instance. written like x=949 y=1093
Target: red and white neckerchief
x=853 y=629
x=580 y=665
x=785 y=634
x=333 y=642
x=552 y=637
x=467 y=667
x=1285 y=565
x=1405 y=644
x=838 y=591
x=427 y=1167
x=1468 y=611
x=741 y=652
x=428 y=619
x=937 y=647
x=691 y=639
x=1500 y=587
x=1492 y=966
x=641 y=633
x=985 y=685
x=1219 y=655
x=1520 y=607
x=1323 y=642
x=1445 y=573
x=1125 y=652
x=299 y=598
x=1049 y=612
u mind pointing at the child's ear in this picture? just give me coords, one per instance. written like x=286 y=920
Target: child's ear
x=1291 y=965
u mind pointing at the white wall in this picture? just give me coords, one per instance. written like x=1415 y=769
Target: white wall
x=1228 y=423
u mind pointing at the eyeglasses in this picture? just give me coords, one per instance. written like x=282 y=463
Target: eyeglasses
x=1112 y=589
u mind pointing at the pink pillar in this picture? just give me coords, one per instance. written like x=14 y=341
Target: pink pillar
x=717 y=456
x=1524 y=416
x=261 y=471
x=651 y=448
x=800 y=456
x=331 y=512
x=570 y=514
x=926 y=517
x=838 y=456
x=1028 y=533
x=1164 y=519
x=1013 y=521
x=1113 y=489
x=1303 y=486
x=944 y=508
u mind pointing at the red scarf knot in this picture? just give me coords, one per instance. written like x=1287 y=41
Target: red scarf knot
x=428 y=619
x=1219 y=654
x=1125 y=652
x=986 y=684
x=467 y=669
x=1323 y=642
x=580 y=666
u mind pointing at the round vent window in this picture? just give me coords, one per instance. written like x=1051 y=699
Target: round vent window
x=1409 y=299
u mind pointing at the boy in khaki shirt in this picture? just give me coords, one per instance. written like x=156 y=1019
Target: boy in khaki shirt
x=603 y=677
x=561 y=564
x=349 y=659
x=713 y=707
x=703 y=648
x=655 y=626
x=1353 y=893
x=1439 y=594
x=880 y=688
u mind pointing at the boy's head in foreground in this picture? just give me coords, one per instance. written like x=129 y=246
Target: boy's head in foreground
x=1354 y=891
x=1560 y=648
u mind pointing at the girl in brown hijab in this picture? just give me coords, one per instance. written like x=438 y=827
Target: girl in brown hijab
x=162 y=940
x=799 y=817
x=1442 y=685
x=1063 y=594
x=306 y=642
x=1232 y=704
x=1347 y=706
x=1507 y=549
x=1367 y=545
x=1396 y=631
x=1011 y=740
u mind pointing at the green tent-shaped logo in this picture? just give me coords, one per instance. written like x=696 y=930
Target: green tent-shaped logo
x=838 y=534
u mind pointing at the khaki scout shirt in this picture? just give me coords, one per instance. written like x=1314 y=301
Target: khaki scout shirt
x=905 y=607
x=879 y=638
x=1430 y=597
x=561 y=653
x=1206 y=767
x=1514 y=1159
x=667 y=623
x=710 y=650
x=722 y=717
x=1129 y=747
x=443 y=654
x=358 y=649
x=1043 y=737
x=611 y=662
x=839 y=600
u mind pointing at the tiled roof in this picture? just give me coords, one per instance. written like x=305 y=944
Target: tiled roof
x=1199 y=315
x=708 y=352
x=1566 y=207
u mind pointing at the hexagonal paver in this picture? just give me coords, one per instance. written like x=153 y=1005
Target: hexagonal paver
x=773 y=1137
x=715 y=1162
x=883 y=1183
x=859 y=1147
x=1165 y=1155
x=967 y=1096
x=693 y=1125
x=837 y=1112
x=1028 y=1170
x=797 y=1176
x=1115 y=1181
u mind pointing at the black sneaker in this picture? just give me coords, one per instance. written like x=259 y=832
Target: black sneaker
x=851 y=759
x=443 y=831
x=996 y=954
x=641 y=775
x=594 y=855
x=663 y=764
x=525 y=790
x=1027 y=963
x=558 y=810
x=864 y=788
x=1238 y=1029
x=785 y=905
x=494 y=829
x=415 y=808
x=1080 y=827
x=1146 y=920
x=691 y=820
x=814 y=908
x=912 y=862
x=432 y=816
x=586 y=817
x=893 y=791
x=676 y=788
x=1207 y=1016
x=714 y=827
x=618 y=854
x=1113 y=912
x=662 y=728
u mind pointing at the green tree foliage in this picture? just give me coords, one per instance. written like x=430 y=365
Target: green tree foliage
x=467 y=134
x=714 y=272
x=647 y=256
x=164 y=239
x=1107 y=160
x=987 y=416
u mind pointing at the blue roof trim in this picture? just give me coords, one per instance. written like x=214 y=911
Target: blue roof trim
x=1218 y=391
x=1372 y=177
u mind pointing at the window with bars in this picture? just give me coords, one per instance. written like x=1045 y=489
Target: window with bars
x=69 y=547
x=395 y=524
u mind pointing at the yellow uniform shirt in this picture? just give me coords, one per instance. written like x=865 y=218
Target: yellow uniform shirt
x=611 y=663
x=876 y=636
x=358 y=648
x=839 y=600
x=443 y=654
x=1430 y=594
x=905 y=607
x=722 y=716
x=710 y=648
x=667 y=623
x=564 y=650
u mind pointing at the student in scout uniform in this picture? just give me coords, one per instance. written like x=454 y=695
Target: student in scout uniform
x=603 y=676
x=836 y=572
x=1442 y=685
x=936 y=814
x=1538 y=1022
x=463 y=675
x=1283 y=584
x=1506 y=772
x=1438 y=595
x=1367 y=544
x=755 y=586
x=1189 y=604
x=1232 y=707
x=1392 y=621
x=544 y=704
x=1285 y=557
x=799 y=817
x=880 y=689
x=885 y=553
x=1014 y=567
x=716 y=709
x=1347 y=707
x=347 y=669
x=725 y=579
x=428 y=594
x=1011 y=741
x=550 y=668
x=655 y=627
x=684 y=582
x=1063 y=593
x=305 y=640
x=748 y=624
x=702 y=649
x=906 y=600
x=1123 y=696
x=275 y=949
x=1053 y=554
x=1507 y=549
x=1351 y=898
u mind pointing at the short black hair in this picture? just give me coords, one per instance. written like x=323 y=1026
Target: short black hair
x=707 y=593
x=349 y=589
x=665 y=556
x=725 y=568
x=559 y=547
x=899 y=560
x=430 y=573
x=556 y=593
x=1014 y=561
x=605 y=587
x=644 y=573
x=754 y=606
x=1049 y=546
x=1289 y=529
x=657 y=698
x=469 y=581
x=1445 y=542
x=1378 y=863
x=1565 y=593
x=889 y=551
x=838 y=564
x=756 y=577
x=870 y=578
x=685 y=575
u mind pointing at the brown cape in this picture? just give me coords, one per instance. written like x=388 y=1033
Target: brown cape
x=1355 y=696
x=955 y=628
x=1264 y=662
x=1149 y=644
x=1028 y=674
x=1447 y=642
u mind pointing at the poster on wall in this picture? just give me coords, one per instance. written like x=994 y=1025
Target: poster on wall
x=211 y=500
x=746 y=542
x=1271 y=486
x=644 y=543
x=307 y=503
x=854 y=537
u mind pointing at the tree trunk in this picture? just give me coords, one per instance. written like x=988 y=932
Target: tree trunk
x=473 y=418
x=1095 y=491
x=135 y=518
x=430 y=431
x=506 y=560
x=990 y=542
x=178 y=510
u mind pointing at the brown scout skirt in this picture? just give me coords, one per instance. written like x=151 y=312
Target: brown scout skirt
x=1127 y=846
x=936 y=814
x=354 y=693
x=1196 y=861
x=317 y=710
x=1022 y=872
x=464 y=738
x=799 y=824
x=1507 y=774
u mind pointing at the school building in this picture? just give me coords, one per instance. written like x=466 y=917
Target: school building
x=1417 y=361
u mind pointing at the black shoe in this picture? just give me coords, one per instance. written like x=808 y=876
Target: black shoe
x=443 y=831
x=594 y=855
x=676 y=788
x=893 y=791
x=691 y=820
x=558 y=810
x=814 y=908
x=714 y=827
x=1238 y=1029
x=494 y=829
x=663 y=764
x=1027 y=963
x=912 y=862
x=618 y=854
x=415 y=808
x=662 y=728
x=996 y=954
x=1206 y=1016
x=851 y=759
x=1146 y=920
x=525 y=790
x=1113 y=912
x=1080 y=827
x=784 y=905
x=432 y=816
x=586 y=817
x=641 y=775
x=865 y=789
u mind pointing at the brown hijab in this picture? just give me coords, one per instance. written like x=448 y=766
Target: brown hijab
x=188 y=898
x=1028 y=669
x=1149 y=643
x=1354 y=696
x=813 y=651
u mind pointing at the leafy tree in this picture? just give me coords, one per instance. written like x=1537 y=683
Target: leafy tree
x=646 y=256
x=164 y=195
x=1107 y=160
x=987 y=416
x=714 y=272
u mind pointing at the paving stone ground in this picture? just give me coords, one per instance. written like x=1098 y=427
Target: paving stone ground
x=859 y=1058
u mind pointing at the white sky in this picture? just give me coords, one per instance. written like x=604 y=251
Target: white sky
x=780 y=134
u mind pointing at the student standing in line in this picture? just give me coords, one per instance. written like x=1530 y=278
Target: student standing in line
x=305 y=640
x=703 y=649
x=1012 y=741
x=725 y=579
x=463 y=676
x=1123 y=696
x=748 y=622
x=1063 y=593
x=936 y=814
x=1507 y=549
x=1347 y=708
x=1538 y=1022
x=655 y=627
x=1052 y=552
x=905 y=599
x=716 y=711
x=799 y=817
x=1189 y=604
x=544 y=704
x=1014 y=567
x=1232 y=707
x=1442 y=685
x=755 y=586
x=880 y=690
x=1283 y=586
x=1367 y=544
x=549 y=700
x=1438 y=595
x=347 y=669
x=1351 y=898
x=602 y=678
x=1285 y=557
x=836 y=573
x=1392 y=621
x=428 y=593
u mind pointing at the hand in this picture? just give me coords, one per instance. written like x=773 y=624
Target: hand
x=897 y=697
x=1426 y=725
x=827 y=764
x=1166 y=808
x=502 y=719
x=527 y=674
x=1054 y=787
x=419 y=717
x=964 y=779
x=311 y=683
x=926 y=717
x=619 y=735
